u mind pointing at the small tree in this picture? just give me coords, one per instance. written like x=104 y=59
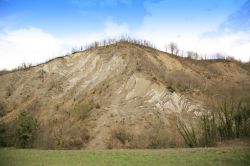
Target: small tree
x=25 y=128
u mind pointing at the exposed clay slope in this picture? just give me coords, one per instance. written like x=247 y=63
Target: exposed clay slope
x=128 y=87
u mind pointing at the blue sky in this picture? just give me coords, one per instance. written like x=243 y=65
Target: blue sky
x=33 y=31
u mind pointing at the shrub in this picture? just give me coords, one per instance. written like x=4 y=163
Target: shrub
x=155 y=144
x=225 y=116
x=183 y=81
x=83 y=110
x=2 y=110
x=2 y=134
x=246 y=66
x=25 y=129
x=208 y=129
x=228 y=121
x=159 y=136
x=74 y=137
x=234 y=120
x=188 y=133
x=122 y=135
x=59 y=141
x=97 y=106
x=171 y=89
x=4 y=71
x=242 y=121
x=9 y=133
x=10 y=89
x=154 y=78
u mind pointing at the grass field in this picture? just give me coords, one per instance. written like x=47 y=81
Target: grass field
x=199 y=156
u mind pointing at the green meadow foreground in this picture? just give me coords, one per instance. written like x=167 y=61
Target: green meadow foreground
x=196 y=156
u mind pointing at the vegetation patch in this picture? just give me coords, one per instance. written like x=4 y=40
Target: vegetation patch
x=122 y=136
x=2 y=135
x=2 y=110
x=25 y=129
x=83 y=109
x=227 y=121
x=183 y=81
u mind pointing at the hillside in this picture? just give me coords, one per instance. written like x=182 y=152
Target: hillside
x=122 y=95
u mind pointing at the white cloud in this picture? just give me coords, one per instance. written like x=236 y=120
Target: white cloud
x=113 y=29
x=163 y=26
x=31 y=45
x=234 y=44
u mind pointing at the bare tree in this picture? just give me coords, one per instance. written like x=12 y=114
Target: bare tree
x=230 y=58
x=173 y=48
x=192 y=55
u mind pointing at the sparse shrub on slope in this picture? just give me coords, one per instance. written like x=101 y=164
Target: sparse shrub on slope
x=77 y=138
x=122 y=135
x=83 y=109
x=4 y=71
x=188 y=133
x=234 y=120
x=58 y=136
x=2 y=134
x=159 y=136
x=183 y=81
x=228 y=121
x=246 y=66
x=208 y=129
x=2 y=110
x=10 y=89
x=25 y=129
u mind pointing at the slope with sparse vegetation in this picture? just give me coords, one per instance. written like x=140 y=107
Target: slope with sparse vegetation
x=125 y=95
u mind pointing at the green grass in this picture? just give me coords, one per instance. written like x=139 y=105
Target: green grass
x=184 y=157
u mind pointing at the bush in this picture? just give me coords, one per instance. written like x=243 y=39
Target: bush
x=182 y=81
x=4 y=71
x=159 y=136
x=2 y=134
x=227 y=121
x=59 y=140
x=97 y=106
x=83 y=110
x=188 y=133
x=155 y=144
x=246 y=66
x=2 y=110
x=8 y=133
x=10 y=89
x=122 y=135
x=225 y=126
x=25 y=129
x=234 y=120
x=209 y=130
x=76 y=138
